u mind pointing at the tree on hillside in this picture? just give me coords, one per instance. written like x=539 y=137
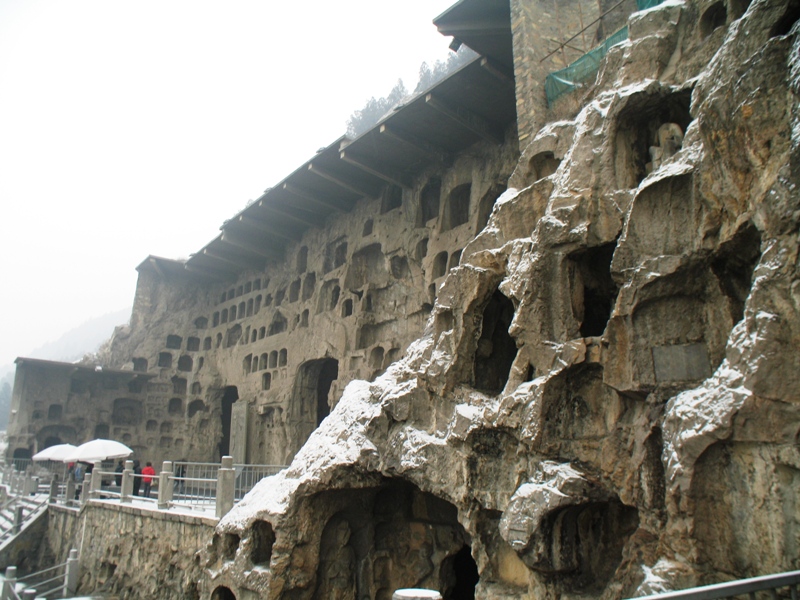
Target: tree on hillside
x=430 y=74
x=5 y=404
x=377 y=108
x=361 y=120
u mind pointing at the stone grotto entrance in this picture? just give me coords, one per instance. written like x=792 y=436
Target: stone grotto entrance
x=394 y=536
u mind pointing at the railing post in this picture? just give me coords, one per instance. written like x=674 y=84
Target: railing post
x=29 y=594
x=27 y=485
x=85 y=488
x=226 y=479
x=51 y=499
x=19 y=515
x=97 y=484
x=70 y=489
x=8 y=583
x=71 y=574
x=165 y=485
x=127 y=482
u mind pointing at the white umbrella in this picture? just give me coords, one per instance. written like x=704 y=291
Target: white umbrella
x=98 y=450
x=57 y=452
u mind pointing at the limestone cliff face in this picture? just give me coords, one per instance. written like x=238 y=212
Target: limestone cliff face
x=605 y=399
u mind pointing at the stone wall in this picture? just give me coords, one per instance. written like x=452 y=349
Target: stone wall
x=604 y=402
x=57 y=403
x=137 y=553
x=270 y=352
x=598 y=398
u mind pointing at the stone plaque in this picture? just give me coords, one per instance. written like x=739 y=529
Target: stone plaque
x=238 y=447
x=682 y=362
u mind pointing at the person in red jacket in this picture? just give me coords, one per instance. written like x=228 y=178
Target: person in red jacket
x=147 y=478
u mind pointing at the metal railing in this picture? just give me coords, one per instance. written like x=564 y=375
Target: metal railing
x=60 y=580
x=742 y=587
x=204 y=487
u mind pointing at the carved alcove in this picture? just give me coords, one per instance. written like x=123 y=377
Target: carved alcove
x=639 y=128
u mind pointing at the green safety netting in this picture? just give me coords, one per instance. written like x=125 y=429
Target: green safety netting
x=645 y=4
x=561 y=82
x=567 y=79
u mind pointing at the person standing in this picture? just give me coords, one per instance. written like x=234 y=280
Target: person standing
x=118 y=473
x=137 y=477
x=147 y=478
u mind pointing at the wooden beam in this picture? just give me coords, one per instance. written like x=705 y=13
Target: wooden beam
x=490 y=26
x=388 y=175
x=296 y=191
x=265 y=227
x=302 y=221
x=210 y=272
x=465 y=118
x=236 y=261
x=340 y=182
x=420 y=146
x=499 y=73
x=250 y=246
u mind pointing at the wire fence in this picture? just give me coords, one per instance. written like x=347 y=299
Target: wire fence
x=583 y=70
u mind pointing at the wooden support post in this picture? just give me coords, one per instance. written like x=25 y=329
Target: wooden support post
x=381 y=172
x=465 y=118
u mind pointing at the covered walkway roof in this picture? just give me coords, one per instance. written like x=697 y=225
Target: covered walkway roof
x=483 y=25
x=477 y=102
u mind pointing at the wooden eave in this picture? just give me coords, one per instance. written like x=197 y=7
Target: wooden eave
x=475 y=103
x=483 y=25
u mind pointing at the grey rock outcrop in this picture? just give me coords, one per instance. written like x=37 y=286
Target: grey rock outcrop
x=605 y=399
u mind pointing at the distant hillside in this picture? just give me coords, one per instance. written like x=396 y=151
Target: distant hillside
x=85 y=338
x=69 y=347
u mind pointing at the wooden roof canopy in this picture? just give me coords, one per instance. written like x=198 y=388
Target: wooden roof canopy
x=83 y=371
x=476 y=102
x=483 y=25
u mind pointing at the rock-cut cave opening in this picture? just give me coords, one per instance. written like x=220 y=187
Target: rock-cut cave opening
x=380 y=539
x=496 y=349
x=594 y=292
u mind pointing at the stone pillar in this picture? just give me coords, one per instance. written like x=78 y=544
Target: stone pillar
x=86 y=488
x=9 y=582
x=226 y=480
x=127 y=482
x=71 y=573
x=27 y=485
x=53 y=496
x=165 y=485
x=96 y=484
x=19 y=515
x=70 y=490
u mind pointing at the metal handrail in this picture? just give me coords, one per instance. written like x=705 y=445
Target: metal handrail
x=734 y=588
x=66 y=576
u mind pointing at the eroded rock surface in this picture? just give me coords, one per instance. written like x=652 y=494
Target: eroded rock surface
x=604 y=401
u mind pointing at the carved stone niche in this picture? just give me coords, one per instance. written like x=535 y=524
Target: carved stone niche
x=379 y=539
x=568 y=528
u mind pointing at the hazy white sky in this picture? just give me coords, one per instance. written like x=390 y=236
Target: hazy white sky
x=135 y=128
